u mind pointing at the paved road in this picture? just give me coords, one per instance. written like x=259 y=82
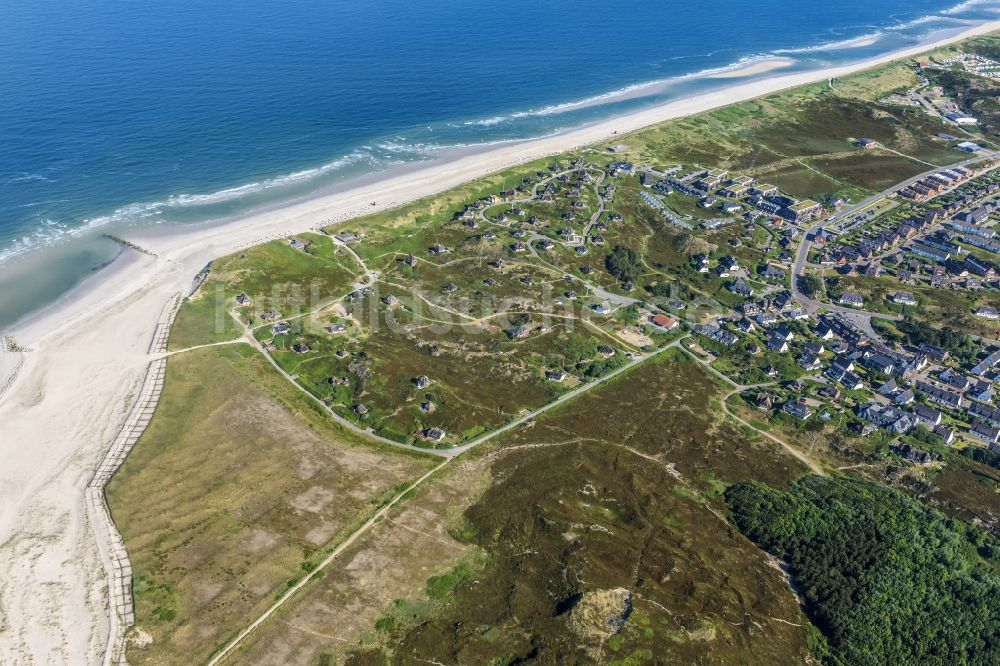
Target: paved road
x=850 y=210
x=798 y=270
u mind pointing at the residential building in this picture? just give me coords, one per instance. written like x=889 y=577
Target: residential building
x=851 y=300
x=771 y=272
x=987 y=433
x=904 y=298
x=960 y=118
x=988 y=312
x=981 y=268
x=985 y=412
x=803 y=210
x=664 y=322
x=741 y=288
x=797 y=409
x=809 y=362
x=940 y=396
x=777 y=343
x=433 y=434
x=914 y=455
x=947 y=434
x=892 y=419
x=987 y=363
x=784 y=333
x=715 y=333
x=928 y=416
x=982 y=390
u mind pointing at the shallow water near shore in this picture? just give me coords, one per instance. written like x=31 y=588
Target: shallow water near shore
x=116 y=116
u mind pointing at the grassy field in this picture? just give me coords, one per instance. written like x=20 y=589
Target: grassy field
x=802 y=140
x=464 y=339
x=976 y=94
x=400 y=571
x=276 y=276
x=580 y=506
x=965 y=489
x=468 y=569
x=242 y=483
x=235 y=490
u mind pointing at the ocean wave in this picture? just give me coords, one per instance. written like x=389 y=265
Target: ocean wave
x=48 y=231
x=833 y=46
x=26 y=177
x=969 y=4
x=233 y=193
x=486 y=122
x=565 y=107
x=879 y=32
x=946 y=15
x=654 y=86
x=376 y=156
x=402 y=149
x=32 y=204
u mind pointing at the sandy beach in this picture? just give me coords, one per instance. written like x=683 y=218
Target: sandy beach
x=89 y=355
x=755 y=68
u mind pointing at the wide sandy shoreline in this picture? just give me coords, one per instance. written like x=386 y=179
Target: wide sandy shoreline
x=90 y=353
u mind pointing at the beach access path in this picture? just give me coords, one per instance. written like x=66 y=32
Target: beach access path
x=90 y=355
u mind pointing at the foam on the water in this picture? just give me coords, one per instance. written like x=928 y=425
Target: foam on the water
x=76 y=189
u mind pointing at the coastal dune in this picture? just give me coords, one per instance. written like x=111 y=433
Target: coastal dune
x=89 y=355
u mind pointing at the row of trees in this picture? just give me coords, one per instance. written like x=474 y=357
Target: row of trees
x=953 y=340
x=886 y=579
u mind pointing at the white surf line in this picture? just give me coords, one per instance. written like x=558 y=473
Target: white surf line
x=110 y=545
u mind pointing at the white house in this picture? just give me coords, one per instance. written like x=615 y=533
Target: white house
x=988 y=312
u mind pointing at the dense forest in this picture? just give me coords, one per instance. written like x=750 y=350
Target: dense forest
x=886 y=579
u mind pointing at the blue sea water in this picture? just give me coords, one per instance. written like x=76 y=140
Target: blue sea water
x=116 y=113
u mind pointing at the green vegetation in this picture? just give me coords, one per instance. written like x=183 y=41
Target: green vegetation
x=489 y=300
x=981 y=455
x=976 y=95
x=950 y=308
x=275 y=276
x=800 y=140
x=811 y=284
x=579 y=507
x=440 y=587
x=204 y=319
x=952 y=340
x=880 y=573
x=623 y=263
x=237 y=487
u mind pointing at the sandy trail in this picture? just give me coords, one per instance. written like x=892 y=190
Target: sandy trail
x=90 y=355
